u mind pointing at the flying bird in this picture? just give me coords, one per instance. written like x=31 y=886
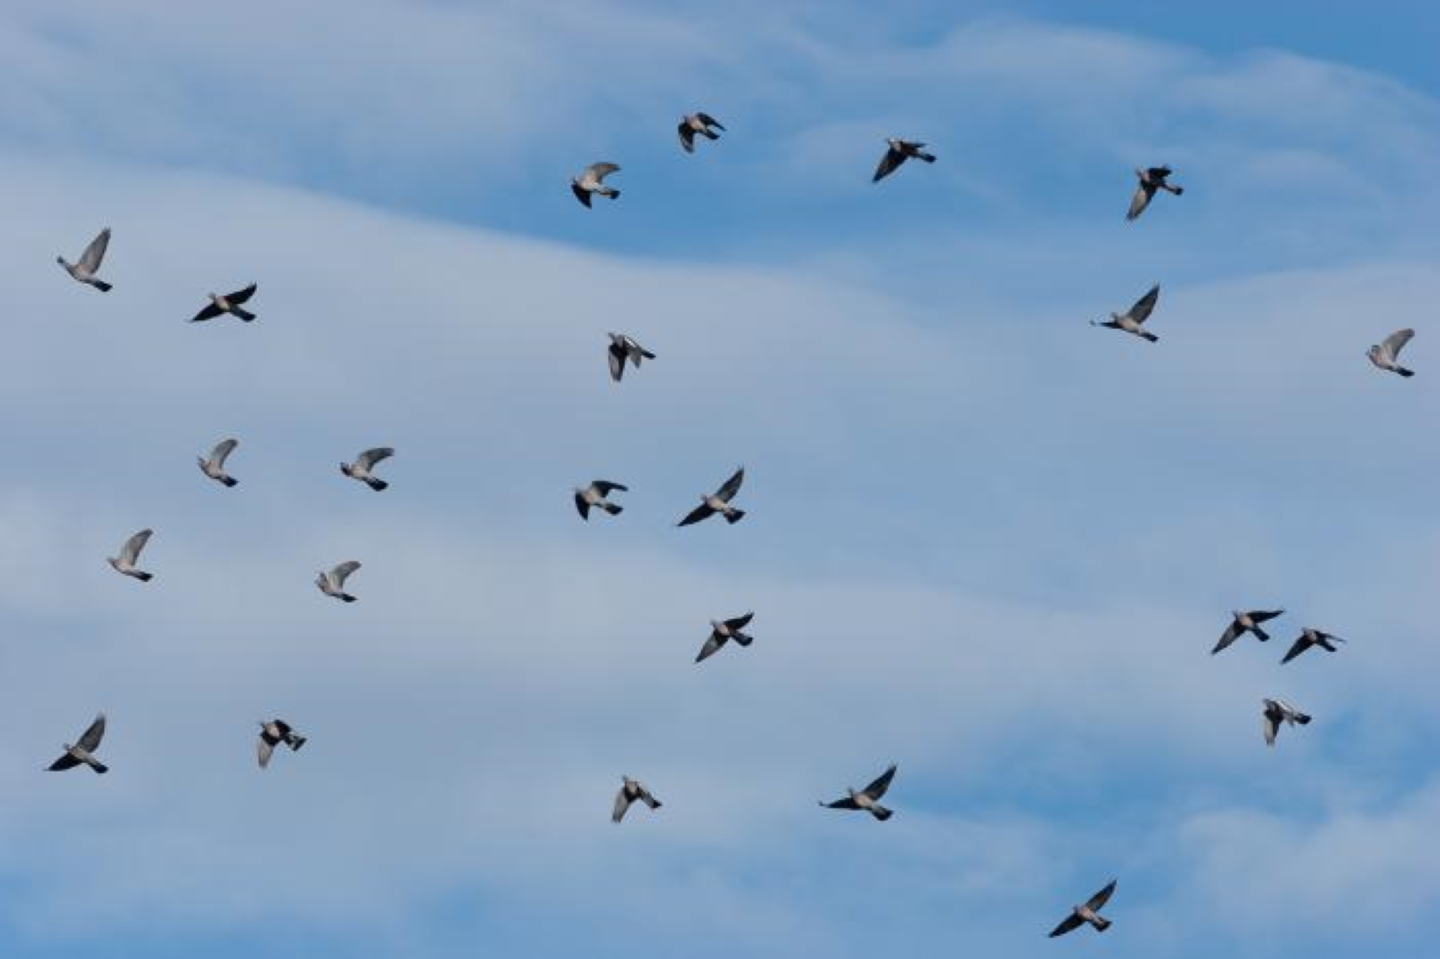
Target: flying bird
x=594 y=495
x=1151 y=179
x=623 y=347
x=1386 y=354
x=229 y=303
x=364 y=463
x=899 y=152
x=1242 y=623
x=868 y=798
x=1089 y=912
x=1278 y=711
x=333 y=582
x=214 y=465
x=1131 y=319
x=630 y=792
x=273 y=732
x=719 y=502
x=592 y=181
x=130 y=555
x=701 y=123
x=84 y=750
x=1311 y=637
x=722 y=631
x=84 y=270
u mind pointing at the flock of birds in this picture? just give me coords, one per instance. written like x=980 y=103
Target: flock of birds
x=624 y=349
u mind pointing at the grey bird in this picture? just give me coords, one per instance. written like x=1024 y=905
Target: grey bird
x=84 y=270
x=1312 y=637
x=722 y=631
x=130 y=555
x=333 y=582
x=1089 y=912
x=594 y=495
x=899 y=151
x=592 y=181
x=214 y=465
x=1242 y=622
x=1278 y=711
x=719 y=502
x=631 y=791
x=1151 y=179
x=624 y=347
x=701 y=123
x=229 y=303
x=273 y=732
x=84 y=750
x=364 y=463
x=1386 y=354
x=868 y=798
x=1130 y=320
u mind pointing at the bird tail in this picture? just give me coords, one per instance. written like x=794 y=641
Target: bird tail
x=346 y=597
x=99 y=767
x=245 y=315
x=296 y=742
x=1302 y=719
x=880 y=813
x=1100 y=923
x=229 y=480
x=612 y=508
x=1177 y=190
x=614 y=194
x=743 y=639
x=376 y=484
x=100 y=285
x=143 y=576
x=927 y=157
x=1404 y=372
x=711 y=134
x=1260 y=634
x=734 y=516
x=1151 y=337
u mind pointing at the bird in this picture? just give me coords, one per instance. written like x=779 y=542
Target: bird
x=592 y=180
x=867 y=798
x=84 y=270
x=629 y=793
x=1278 y=711
x=719 y=502
x=1242 y=623
x=1089 y=912
x=229 y=303
x=1311 y=637
x=1131 y=319
x=214 y=465
x=623 y=347
x=364 y=463
x=273 y=732
x=700 y=123
x=84 y=750
x=722 y=631
x=333 y=582
x=1151 y=179
x=899 y=152
x=594 y=495
x=1386 y=354
x=130 y=554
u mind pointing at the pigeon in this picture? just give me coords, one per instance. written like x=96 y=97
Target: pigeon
x=84 y=750
x=272 y=733
x=1278 y=711
x=899 y=152
x=84 y=270
x=623 y=347
x=1311 y=637
x=1242 y=623
x=214 y=466
x=630 y=792
x=723 y=631
x=700 y=123
x=364 y=463
x=1132 y=318
x=1386 y=354
x=719 y=502
x=594 y=495
x=1087 y=913
x=592 y=180
x=229 y=303
x=867 y=798
x=333 y=582
x=130 y=554
x=1151 y=179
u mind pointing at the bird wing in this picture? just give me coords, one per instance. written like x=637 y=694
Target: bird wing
x=712 y=644
x=731 y=486
x=66 y=761
x=696 y=515
x=622 y=803
x=240 y=296
x=601 y=170
x=222 y=450
x=1232 y=633
x=709 y=121
x=90 y=739
x=888 y=163
x=263 y=751
x=95 y=252
x=846 y=803
x=369 y=458
x=1270 y=723
x=605 y=486
x=877 y=788
x=582 y=507
x=340 y=573
x=740 y=622
x=647 y=797
x=616 y=356
x=1264 y=615
x=209 y=313
x=1299 y=646
x=581 y=194
x=1097 y=901
x=687 y=137
x=1140 y=200
x=1144 y=306
x=1069 y=924
x=1396 y=341
x=130 y=552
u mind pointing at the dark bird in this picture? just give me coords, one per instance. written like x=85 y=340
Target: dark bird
x=229 y=303
x=272 y=733
x=1151 y=179
x=1278 y=711
x=594 y=495
x=84 y=270
x=1311 y=637
x=868 y=798
x=701 y=123
x=1131 y=319
x=1242 y=623
x=631 y=792
x=722 y=631
x=898 y=153
x=624 y=347
x=592 y=181
x=1089 y=912
x=84 y=750
x=719 y=502
x=364 y=463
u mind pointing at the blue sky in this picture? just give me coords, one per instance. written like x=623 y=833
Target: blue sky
x=986 y=541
